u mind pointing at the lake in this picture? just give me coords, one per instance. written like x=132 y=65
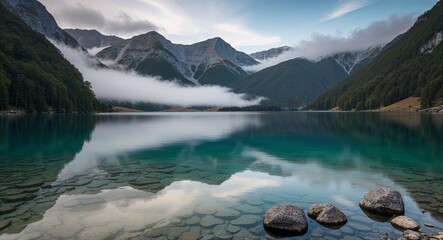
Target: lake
x=211 y=175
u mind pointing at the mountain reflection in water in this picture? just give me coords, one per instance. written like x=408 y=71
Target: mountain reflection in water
x=126 y=175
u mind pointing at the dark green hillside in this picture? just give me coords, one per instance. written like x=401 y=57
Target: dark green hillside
x=221 y=75
x=160 y=67
x=34 y=75
x=399 y=72
x=292 y=83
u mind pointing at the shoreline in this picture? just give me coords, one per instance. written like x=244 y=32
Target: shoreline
x=433 y=110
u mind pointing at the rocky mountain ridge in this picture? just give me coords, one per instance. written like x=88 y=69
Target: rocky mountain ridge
x=270 y=53
x=192 y=62
x=92 y=38
x=35 y=15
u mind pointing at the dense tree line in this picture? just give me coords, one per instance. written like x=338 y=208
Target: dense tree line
x=34 y=75
x=399 y=72
x=255 y=108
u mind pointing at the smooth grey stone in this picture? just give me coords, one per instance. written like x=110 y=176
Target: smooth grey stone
x=405 y=223
x=383 y=201
x=286 y=220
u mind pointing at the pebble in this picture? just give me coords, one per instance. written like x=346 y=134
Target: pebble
x=411 y=235
x=246 y=220
x=18 y=198
x=175 y=232
x=249 y=209
x=29 y=184
x=7 y=209
x=209 y=221
x=233 y=228
x=206 y=208
x=192 y=234
x=193 y=220
x=227 y=212
x=5 y=224
x=144 y=181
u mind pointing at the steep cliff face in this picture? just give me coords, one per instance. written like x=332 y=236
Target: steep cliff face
x=33 y=13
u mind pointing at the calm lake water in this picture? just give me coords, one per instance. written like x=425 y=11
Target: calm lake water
x=211 y=175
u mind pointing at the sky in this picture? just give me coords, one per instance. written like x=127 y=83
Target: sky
x=248 y=25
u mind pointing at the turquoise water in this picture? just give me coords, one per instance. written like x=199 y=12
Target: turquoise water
x=211 y=175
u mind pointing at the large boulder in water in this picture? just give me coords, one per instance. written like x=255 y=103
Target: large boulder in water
x=383 y=201
x=327 y=214
x=285 y=220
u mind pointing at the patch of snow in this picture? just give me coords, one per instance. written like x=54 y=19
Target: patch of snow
x=207 y=53
x=348 y=60
x=432 y=44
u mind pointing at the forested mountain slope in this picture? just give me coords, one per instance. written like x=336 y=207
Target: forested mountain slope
x=413 y=66
x=33 y=73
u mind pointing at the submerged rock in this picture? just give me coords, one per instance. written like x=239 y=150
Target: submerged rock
x=385 y=237
x=404 y=223
x=209 y=221
x=7 y=209
x=5 y=224
x=383 y=201
x=411 y=235
x=285 y=220
x=327 y=214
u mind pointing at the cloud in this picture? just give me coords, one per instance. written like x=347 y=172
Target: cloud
x=238 y=35
x=93 y=51
x=127 y=25
x=181 y=21
x=81 y=15
x=128 y=86
x=319 y=45
x=346 y=7
x=84 y=17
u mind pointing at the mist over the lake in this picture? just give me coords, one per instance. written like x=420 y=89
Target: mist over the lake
x=117 y=85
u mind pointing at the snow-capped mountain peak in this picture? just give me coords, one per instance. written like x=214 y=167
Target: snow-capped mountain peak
x=270 y=53
x=353 y=60
x=191 y=61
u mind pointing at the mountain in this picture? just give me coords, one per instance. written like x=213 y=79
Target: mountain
x=297 y=82
x=33 y=73
x=92 y=38
x=33 y=13
x=354 y=60
x=209 y=62
x=412 y=66
x=270 y=53
x=293 y=83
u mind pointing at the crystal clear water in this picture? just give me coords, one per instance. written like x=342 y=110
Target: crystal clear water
x=211 y=175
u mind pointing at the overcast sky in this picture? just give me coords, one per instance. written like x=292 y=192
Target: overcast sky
x=248 y=25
